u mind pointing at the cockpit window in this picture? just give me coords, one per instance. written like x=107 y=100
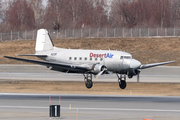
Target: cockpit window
x=127 y=57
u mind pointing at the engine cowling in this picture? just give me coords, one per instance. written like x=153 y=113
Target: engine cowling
x=132 y=73
x=98 y=68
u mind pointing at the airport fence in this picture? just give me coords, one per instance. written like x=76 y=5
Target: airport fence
x=94 y=33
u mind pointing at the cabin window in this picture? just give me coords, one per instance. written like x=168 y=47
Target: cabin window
x=85 y=58
x=70 y=58
x=121 y=57
x=101 y=59
x=80 y=58
x=95 y=59
x=90 y=58
x=75 y=58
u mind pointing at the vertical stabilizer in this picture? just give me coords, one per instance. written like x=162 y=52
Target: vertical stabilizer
x=43 y=41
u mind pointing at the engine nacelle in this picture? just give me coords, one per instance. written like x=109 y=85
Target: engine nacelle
x=132 y=73
x=98 y=68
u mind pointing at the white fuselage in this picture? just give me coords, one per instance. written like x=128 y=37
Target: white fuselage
x=115 y=61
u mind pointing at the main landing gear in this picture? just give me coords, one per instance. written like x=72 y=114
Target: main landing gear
x=88 y=80
x=122 y=81
x=89 y=83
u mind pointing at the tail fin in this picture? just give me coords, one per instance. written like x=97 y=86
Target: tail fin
x=43 y=41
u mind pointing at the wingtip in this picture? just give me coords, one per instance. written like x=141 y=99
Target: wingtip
x=6 y=56
x=172 y=61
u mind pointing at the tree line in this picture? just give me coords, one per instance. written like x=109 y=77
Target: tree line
x=75 y=14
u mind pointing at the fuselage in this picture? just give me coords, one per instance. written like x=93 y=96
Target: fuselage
x=115 y=61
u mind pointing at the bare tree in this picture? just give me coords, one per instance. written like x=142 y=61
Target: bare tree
x=39 y=10
x=21 y=16
x=56 y=14
x=99 y=13
x=75 y=14
x=175 y=13
x=133 y=13
x=1 y=11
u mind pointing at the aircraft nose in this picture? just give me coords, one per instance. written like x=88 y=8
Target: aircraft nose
x=134 y=64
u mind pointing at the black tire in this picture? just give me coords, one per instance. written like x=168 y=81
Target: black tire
x=89 y=84
x=122 y=84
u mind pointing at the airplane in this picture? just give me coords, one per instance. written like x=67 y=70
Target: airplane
x=86 y=62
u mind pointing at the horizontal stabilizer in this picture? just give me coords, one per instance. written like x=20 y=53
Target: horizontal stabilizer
x=32 y=55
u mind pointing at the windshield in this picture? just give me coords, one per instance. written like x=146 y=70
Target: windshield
x=126 y=57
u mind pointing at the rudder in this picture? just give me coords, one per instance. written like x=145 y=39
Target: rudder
x=43 y=41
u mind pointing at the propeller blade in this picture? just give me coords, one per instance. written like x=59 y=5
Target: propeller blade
x=139 y=70
x=138 y=78
x=108 y=72
x=100 y=73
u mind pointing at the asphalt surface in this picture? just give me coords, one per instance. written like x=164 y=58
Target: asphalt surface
x=96 y=107
x=168 y=74
x=90 y=107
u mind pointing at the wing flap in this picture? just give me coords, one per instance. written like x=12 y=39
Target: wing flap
x=52 y=64
x=155 y=64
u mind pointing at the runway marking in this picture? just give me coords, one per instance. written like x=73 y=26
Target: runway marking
x=98 y=109
x=24 y=107
x=122 y=109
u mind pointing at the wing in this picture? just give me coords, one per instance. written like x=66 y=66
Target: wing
x=155 y=64
x=34 y=55
x=55 y=66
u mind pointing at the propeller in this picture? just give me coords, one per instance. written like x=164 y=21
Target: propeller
x=100 y=73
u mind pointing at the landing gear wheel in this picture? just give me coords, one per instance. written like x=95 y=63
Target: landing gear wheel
x=88 y=80
x=89 y=84
x=122 y=81
x=122 y=84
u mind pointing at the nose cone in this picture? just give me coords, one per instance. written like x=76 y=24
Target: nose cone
x=134 y=64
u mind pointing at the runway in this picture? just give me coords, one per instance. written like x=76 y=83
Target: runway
x=167 y=74
x=90 y=107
